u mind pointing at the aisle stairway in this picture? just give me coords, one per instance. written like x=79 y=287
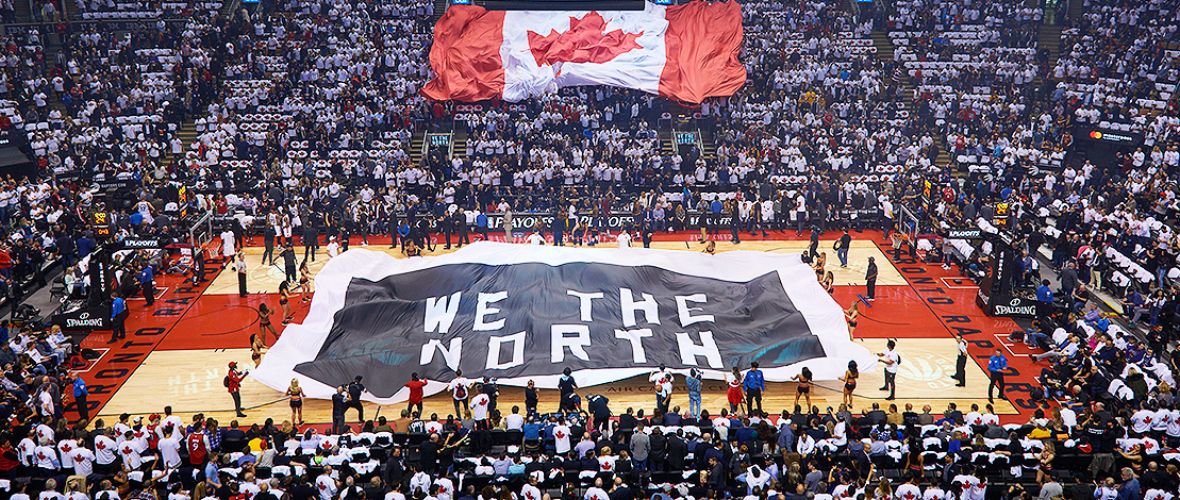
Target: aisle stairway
x=417 y=147
x=1049 y=38
x=459 y=143
x=1075 y=11
x=187 y=135
x=907 y=91
x=708 y=145
x=24 y=13
x=666 y=142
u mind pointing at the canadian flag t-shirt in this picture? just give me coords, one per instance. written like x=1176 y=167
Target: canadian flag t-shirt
x=479 y=407
x=561 y=438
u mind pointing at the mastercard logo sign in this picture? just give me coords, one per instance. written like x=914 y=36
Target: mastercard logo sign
x=1095 y=135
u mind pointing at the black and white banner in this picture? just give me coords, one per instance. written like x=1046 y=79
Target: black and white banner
x=522 y=312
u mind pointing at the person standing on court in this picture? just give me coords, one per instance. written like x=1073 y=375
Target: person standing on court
x=268 y=243
x=892 y=360
x=996 y=366
x=147 y=280
x=415 y=385
x=233 y=383
x=506 y=221
x=842 y=246
x=228 y=247
x=288 y=256
x=692 y=384
x=311 y=240
x=446 y=227
x=459 y=221
x=118 y=318
x=754 y=383
x=813 y=245
x=871 y=280
x=355 y=389
x=80 y=394
x=242 y=268
x=961 y=362
x=339 y=405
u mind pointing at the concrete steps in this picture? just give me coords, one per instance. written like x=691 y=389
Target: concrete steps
x=667 y=145
x=1049 y=39
x=187 y=135
x=24 y=12
x=1075 y=11
x=418 y=147
x=459 y=144
x=708 y=145
x=909 y=93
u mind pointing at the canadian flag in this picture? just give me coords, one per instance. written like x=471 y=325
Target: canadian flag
x=685 y=52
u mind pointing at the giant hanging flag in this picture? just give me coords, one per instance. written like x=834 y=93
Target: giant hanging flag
x=685 y=52
x=521 y=312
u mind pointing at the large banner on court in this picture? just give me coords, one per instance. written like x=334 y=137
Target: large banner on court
x=522 y=312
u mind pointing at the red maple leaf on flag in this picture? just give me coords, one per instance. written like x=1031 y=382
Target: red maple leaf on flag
x=585 y=42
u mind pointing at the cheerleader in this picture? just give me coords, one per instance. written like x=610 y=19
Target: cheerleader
x=852 y=314
x=304 y=281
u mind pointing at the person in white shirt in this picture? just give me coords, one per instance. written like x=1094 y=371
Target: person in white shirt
x=530 y=491
x=83 y=461
x=561 y=437
x=596 y=492
x=333 y=247
x=514 y=421
x=170 y=451
x=479 y=408
x=624 y=239
x=326 y=485
x=419 y=482
x=45 y=457
x=535 y=239
x=25 y=450
x=459 y=392
x=105 y=449
x=228 y=247
x=65 y=450
x=446 y=488
x=891 y=360
x=908 y=490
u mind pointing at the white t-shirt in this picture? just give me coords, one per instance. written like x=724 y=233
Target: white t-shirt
x=535 y=239
x=514 y=421
x=891 y=355
x=596 y=493
x=530 y=492
x=227 y=243
x=907 y=492
x=170 y=451
x=479 y=406
x=326 y=486
x=458 y=383
x=624 y=240
x=561 y=438
x=83 y=461
x=45 y=457
x=104 y=450
x=66 y=450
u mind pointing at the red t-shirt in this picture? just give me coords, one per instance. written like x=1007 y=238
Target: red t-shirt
x=416 y=390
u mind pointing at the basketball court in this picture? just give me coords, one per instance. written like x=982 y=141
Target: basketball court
x=177 y=351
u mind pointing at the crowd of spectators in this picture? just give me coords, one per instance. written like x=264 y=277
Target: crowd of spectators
x=304 y=114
